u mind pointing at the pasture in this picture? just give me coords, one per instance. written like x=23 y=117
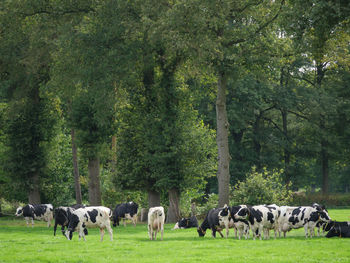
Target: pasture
x=19 y=243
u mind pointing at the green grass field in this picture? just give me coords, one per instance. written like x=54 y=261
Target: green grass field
x=19 y=243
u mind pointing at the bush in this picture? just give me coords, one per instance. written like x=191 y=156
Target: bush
x=211 y=202
x=261 y=188
x=329 y=200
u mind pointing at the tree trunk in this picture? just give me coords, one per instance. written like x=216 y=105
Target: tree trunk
x=223 y=174
x=77 y=186
x=286 y=151
x=325 y=166
x=114 y=153
x=153 y=198
x=174 y=206
x=94 y=181
x=34 y=192
x=256 y=142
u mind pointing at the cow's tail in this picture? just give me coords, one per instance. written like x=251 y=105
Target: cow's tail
x=110 y=214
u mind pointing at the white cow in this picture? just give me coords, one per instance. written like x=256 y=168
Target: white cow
x=156 y=218
x=90 y=216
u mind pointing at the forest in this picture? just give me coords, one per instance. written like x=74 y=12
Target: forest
x=172 y=101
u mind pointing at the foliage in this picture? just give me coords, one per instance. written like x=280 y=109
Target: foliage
x=261 y=188
x=330 y=200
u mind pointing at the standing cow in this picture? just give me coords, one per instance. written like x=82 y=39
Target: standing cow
x=62 y=216
x=37 y=212
x=240 y=225
x=90 y=216
x=260 y=219
x=302 y=216
x=156 y=219
x=216 y=219
x=125 y=211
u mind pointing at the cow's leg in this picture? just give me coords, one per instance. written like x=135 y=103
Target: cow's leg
x=213 y=232
x=62 y=230
x=150 y=232
x=162 y=231
x=124 y=222
x=102 y=233
x=32 y=221
x=54 y=229
x=134 y=220
x=306 y=230
x=110 y=231
x=81 y=233
x=27 y=220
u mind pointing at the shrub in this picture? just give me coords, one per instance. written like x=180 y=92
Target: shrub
x=329 y=200
x=261 y=188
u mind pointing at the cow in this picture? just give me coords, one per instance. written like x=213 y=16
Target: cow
x=260 y=219
x=186 y=223
x=240 y=225
x=125 y=211
x=156 y=219
x=339 y=231
x=320 y=223
x=90 y=216
x=302 y=216
x=37 y=212
x=62 y=215
x=331 y=223
x=285 y=212
x=216 y=219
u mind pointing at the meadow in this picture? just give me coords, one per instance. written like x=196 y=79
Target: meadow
x=19 y=243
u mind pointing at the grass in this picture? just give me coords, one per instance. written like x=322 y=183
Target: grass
x=19 y=243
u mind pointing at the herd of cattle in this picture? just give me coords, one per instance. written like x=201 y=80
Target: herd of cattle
x=258 y=220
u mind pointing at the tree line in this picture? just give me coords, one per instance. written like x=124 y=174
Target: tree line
x=161 y=97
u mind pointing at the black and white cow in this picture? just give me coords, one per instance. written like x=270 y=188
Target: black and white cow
x=156 y=219
x=90 y=216
x=186 y=223
x=62 y=215
x=216 y=219
x=37 y=212
x=125 y=211
x=260 y=219
x=302 y=216
x=240 y=225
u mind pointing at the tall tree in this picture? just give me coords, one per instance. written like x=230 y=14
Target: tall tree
x=219 y=31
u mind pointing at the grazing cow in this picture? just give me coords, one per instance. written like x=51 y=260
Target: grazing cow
x=125 y=211
x=90 y=216
x=260 y=219
x=303 y=216
x=330 y=224
x=62 y=215
x=186 y=223
x=217 y=219
x=240 y=225
x=320 y=223
x=339 y=231
x=156 y=219
x=37 y=212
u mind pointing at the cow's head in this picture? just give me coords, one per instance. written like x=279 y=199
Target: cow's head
x=334 y=232
x=184 y=222
x=73 y=223
x=328 y=225
x=201 y=232
x=242 y=213
x=324 y=217
x=19 y=211
x=225 y=211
